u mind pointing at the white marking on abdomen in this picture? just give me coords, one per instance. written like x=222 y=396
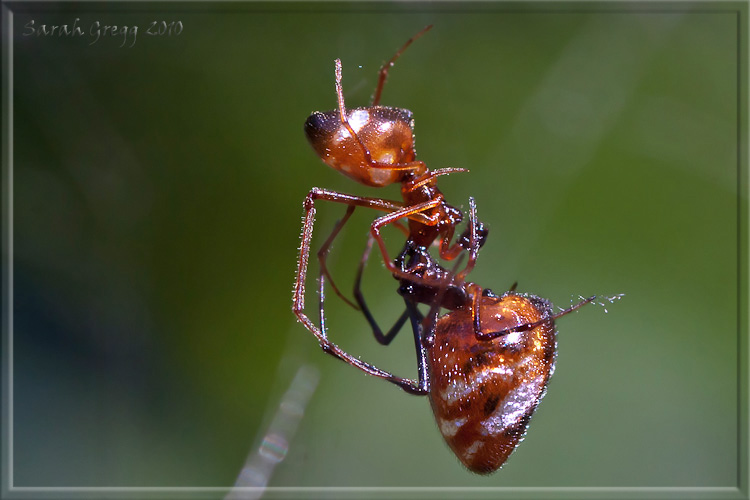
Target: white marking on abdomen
x=472 y=450
x=449 y=428
x=516 y=404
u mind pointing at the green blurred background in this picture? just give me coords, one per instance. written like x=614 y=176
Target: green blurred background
x=157 y=195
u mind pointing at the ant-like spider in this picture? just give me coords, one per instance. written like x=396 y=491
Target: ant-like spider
x=484 y=364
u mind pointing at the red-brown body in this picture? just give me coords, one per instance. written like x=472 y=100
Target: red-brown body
x=387 y=133
x=483 y=393
x=486 y=363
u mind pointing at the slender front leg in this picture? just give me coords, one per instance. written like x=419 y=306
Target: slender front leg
x=382 y=338
x=421 y=347
x=351 y=201
x=385 y=68
x=298 y=302
x=326 y=247
x=411 y=386
x=550 y=319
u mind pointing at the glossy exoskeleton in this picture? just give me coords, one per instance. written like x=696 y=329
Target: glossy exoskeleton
x=486 y=362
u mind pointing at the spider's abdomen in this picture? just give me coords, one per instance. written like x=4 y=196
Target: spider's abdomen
x=483 y=392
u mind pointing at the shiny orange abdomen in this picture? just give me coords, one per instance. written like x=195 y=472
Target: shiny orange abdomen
x=387 y=133
x=483 y=392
